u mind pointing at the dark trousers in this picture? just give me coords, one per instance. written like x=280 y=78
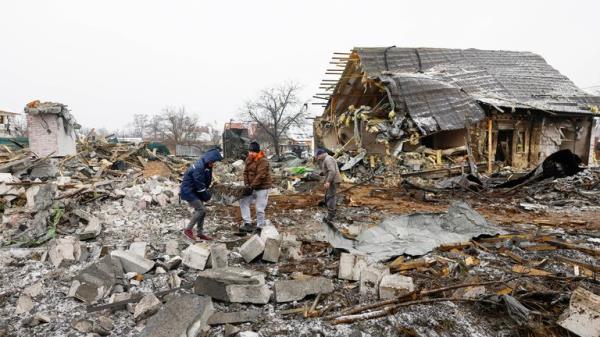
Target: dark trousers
x=330 y=201
x=198 y=216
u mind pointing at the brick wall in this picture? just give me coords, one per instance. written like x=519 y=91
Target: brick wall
x=44 y=143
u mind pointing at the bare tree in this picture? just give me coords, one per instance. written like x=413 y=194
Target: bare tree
x=276 y=110
x=139 y=125
x=180 y=125
x=156 y=127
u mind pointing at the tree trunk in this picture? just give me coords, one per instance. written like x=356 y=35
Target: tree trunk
x=276 y=145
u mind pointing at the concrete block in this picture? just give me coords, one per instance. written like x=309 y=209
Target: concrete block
x=370 y=278
x=272 y=250
x=182 y=315
x=147 y=307
x=257 y=294
x=195 y=256
x=295 y=290
x=132 y=262
x=97 y=280
x=91 y=230
x=269 y=232
x=138 y=248
x=64 y=251
x=351 y=266
x=219 y=255
x=252 y=248
x=219 y=318
x=395 y=285
x=233 y=284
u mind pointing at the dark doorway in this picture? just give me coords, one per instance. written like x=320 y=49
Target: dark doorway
x=504 y=146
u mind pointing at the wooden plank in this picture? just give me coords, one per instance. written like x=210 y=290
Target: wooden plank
x=520 y=269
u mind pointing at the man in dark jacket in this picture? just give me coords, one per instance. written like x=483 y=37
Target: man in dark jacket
x=257 y=178
x=194 y=190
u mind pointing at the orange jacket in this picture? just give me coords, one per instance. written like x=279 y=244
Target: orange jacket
x=257 y=172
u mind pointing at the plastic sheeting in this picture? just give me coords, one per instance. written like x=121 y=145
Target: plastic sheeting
x=416 y=234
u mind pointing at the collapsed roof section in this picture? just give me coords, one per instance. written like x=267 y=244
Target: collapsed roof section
x=442 y=89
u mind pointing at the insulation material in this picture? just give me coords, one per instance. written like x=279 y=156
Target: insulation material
x=583 y=315
x=416 y=234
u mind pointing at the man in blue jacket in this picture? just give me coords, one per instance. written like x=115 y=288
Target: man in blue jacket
x=194 y=190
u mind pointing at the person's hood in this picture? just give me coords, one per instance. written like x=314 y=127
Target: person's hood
x=212 y=156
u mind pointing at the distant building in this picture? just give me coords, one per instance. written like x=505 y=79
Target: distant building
x=7 y=123
x=236 y=136
x=51 y=129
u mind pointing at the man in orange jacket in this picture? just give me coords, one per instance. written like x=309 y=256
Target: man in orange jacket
x=257 y=178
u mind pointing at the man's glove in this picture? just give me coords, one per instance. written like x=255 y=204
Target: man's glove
x=248 y=191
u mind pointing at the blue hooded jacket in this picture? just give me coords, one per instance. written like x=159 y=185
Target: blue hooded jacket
x=198 y=177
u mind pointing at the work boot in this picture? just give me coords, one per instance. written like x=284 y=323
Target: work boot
x=205 y=237
x=190 y=234
x=247 y=228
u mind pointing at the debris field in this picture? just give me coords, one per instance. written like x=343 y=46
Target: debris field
x=92 y=246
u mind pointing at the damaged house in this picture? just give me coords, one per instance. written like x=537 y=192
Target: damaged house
x=426 y=105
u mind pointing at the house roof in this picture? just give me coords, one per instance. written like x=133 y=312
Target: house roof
x=441 y=87
x=4 y=112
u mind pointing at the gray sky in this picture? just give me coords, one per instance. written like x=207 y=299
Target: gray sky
x=111 y=59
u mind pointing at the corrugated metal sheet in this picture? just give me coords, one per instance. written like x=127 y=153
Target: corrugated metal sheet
x=443 y=85
x=187 y=150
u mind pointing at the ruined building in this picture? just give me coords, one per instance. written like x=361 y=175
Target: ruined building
x=51 y=129
x=508 y=108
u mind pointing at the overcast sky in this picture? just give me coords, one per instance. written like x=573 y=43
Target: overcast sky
x=108 y=60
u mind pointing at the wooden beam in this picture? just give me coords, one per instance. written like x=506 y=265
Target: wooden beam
x=489 y=145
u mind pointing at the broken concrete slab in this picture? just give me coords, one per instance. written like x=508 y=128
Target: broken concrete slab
x=147 y=306
x=97 y=280
x=172 y=263
x=351 y=266
x=583 y=315
x=182 y=315
x=24 y=304
x=252 y=248
x=91 y=230
x=138 y=248
x=40 y=197
x=295 y=290
x=291 y=248
x=195 y=256
x=233 y=284
x=119 y=297
x=47 y=168
x=219 y=318
x=34 y=289
x=219 y=255
x=64 y=251
x=272 y=250
x=395 y=285
x=370 y=277
x=230 y=330
x=132 y=262
x=172 y=247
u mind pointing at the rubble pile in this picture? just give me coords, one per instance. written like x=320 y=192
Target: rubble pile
x=97 y=249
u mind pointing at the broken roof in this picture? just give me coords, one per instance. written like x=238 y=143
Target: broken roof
x=441 y=88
